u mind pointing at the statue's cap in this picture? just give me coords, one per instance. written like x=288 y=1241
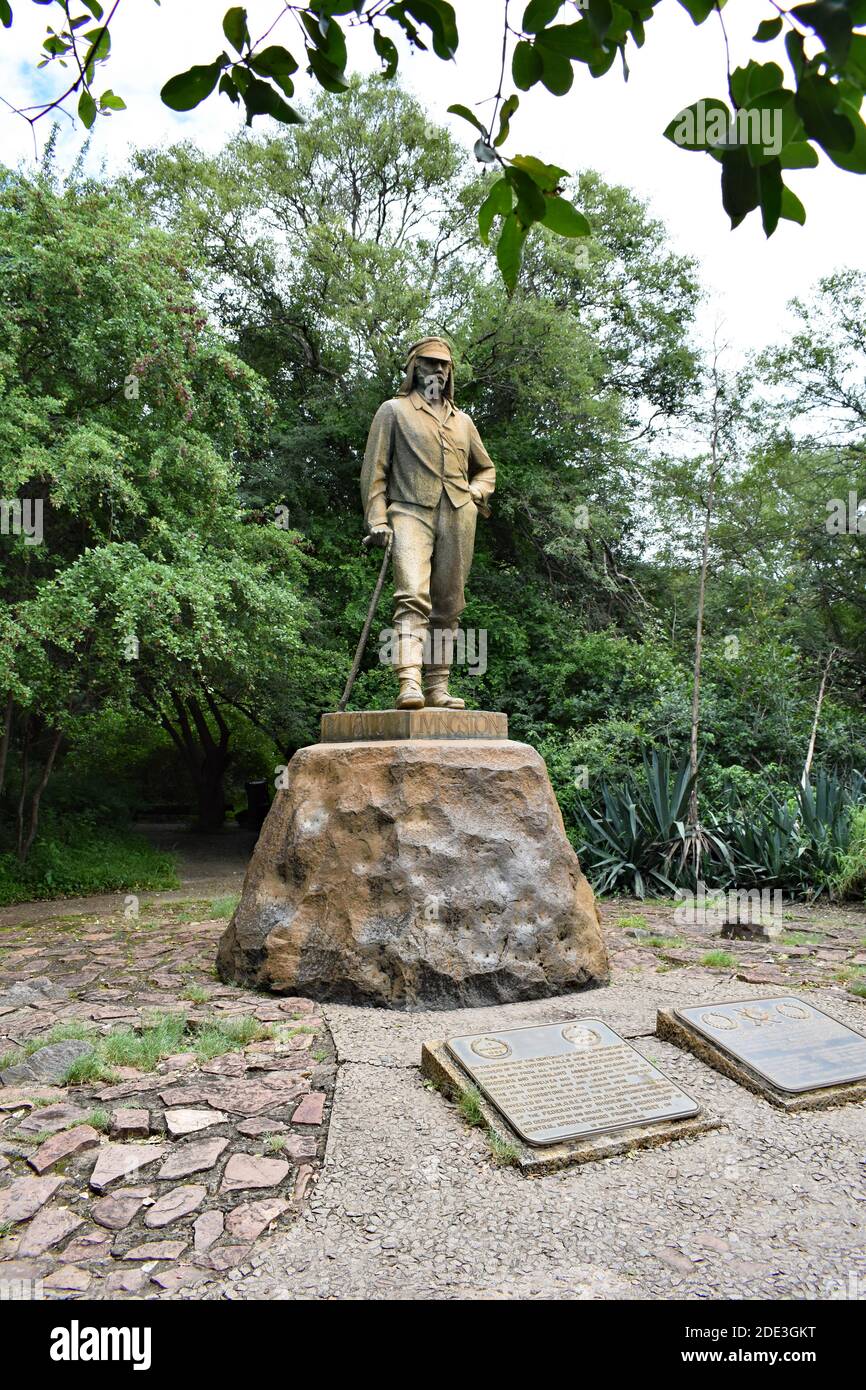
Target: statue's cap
x=429 y=347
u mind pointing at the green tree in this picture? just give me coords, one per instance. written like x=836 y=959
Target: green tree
x=123 y=417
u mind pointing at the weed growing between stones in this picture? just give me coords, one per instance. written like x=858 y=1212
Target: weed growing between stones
x=195 y=994
x=223 y=907
x=161 y=1036
x=637 y=922
x=503 y=1153
x=469 y=1105
x=98 y=1119
x=718 y=959
x=666 y=943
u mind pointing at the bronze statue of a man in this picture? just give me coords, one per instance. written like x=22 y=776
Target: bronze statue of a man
x=426 y=475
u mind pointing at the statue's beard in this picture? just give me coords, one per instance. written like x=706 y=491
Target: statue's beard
x=411 y=383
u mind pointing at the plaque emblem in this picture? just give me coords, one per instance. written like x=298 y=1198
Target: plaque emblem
x=792 y=1011
x=757 y=1016
x=491 y=1047
x=580 y=1035
x=719 y=1022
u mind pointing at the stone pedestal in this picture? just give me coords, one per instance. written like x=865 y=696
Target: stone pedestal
x=409 y=871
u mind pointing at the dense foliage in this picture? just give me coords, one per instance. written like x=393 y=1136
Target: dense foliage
x=221 y=331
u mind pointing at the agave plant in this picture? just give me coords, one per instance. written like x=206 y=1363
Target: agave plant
x=640 y=838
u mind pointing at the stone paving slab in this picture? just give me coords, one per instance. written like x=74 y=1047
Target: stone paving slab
x=89 y=1227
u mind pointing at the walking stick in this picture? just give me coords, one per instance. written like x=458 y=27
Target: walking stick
x=371 y=613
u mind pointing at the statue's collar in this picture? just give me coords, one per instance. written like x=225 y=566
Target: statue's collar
x=420 y=404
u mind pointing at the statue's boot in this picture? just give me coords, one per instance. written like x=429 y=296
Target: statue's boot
x=408 y=668
x=443 y=633
x=436 y=689
x=411 y=695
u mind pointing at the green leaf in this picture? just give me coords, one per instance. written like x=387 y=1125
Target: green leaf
x=754 y=78
x=831 y=21
x=816 y=102
x=531 y=202
x=768 y=29
x=538 y=14
x=228 y=87
x=508 y=109
x=856 y=64
x=329 y=40
x=440 y=19
x=509 y=250
x=94 y=7
x=111 y=102
x=557 y=74
x=699 y=9
x=853 y=159
x=739 y=186
x=547 y=176
x=331 y=78
x=235 y=28
x=5 y=14
x=705 y=125
x=526 y=66
x=187 y=89
x=768 y=124
x=276 y=63
x=262 y=100
x=100 y=45
x=87 y=108
x=387 y=51
x=791 y=207
x=600 y=16
x=469 y=116
x=496 y=204
x=770 y=195
x=798 y=155
x=796 y=53
x=577 y=41
x=562 y=217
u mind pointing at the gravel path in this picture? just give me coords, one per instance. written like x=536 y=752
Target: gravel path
x=410 y=1205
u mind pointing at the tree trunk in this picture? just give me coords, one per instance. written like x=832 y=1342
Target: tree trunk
x=210 y=790
x=207 y=758
x=37 y=795
x=699 y=643
x=25 y=771
x=4 y=743
x=821 y=692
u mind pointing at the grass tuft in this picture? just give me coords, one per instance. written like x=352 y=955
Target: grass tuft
x=718 y=959
x=504 y=1154
x=469 y=1106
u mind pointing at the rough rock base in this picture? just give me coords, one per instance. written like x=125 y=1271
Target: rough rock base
x=416 y=873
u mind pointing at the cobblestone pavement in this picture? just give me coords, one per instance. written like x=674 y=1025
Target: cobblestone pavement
x=161 y=1170
x=409 y=1202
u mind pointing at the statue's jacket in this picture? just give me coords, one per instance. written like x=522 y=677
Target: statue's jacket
x=412 y=456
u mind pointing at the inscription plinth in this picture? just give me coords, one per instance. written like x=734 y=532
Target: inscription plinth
x=781 y=1047
x=378 y=725
x=564 y=1093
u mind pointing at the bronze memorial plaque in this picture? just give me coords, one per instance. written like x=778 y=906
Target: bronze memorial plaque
x=787 y=1042
x=568 y=1080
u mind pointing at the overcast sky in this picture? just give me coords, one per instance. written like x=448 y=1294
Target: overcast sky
x=605 y=124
